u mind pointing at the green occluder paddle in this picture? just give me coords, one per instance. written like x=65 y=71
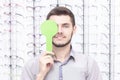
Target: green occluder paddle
x=49 y=29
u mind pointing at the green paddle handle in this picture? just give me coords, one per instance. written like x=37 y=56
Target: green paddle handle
x=49 y=43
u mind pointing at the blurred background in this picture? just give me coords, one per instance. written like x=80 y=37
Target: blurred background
x=98 y=33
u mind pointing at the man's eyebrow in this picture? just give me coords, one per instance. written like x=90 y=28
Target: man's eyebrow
x=65 y=24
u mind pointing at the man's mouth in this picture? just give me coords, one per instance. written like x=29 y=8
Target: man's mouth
x=59 y=36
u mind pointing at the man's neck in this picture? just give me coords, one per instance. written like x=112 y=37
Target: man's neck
x=61 y=53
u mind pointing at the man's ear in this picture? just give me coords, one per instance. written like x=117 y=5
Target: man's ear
x=74 y=29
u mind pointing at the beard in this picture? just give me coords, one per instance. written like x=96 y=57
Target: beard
x=62 y=45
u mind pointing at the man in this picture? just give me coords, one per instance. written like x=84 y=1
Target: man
x=62 y=63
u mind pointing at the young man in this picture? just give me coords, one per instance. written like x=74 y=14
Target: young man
x=62 y=63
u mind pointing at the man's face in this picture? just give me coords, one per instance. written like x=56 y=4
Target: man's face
x=65 y=30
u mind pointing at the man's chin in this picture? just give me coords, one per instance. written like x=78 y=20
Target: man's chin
x=59 y=45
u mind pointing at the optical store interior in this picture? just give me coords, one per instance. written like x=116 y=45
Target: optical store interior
x=97 y=34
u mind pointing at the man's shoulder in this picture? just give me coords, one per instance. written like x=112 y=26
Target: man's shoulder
x=33 y=60
x=32 y=65
x=83 y=58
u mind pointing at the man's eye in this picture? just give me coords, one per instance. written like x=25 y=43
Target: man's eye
x=66 y=26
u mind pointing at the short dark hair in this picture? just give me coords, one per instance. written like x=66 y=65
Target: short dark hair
x=62 y=11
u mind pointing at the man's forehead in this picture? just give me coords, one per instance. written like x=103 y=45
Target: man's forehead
x=63 y=19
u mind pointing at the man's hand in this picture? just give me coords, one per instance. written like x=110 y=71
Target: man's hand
x=46 y=62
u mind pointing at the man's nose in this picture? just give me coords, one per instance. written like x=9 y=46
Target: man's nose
x=59 y=29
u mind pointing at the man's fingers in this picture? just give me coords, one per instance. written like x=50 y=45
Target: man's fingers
x=48 y=59
x=46 y=53
x=52 y=55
